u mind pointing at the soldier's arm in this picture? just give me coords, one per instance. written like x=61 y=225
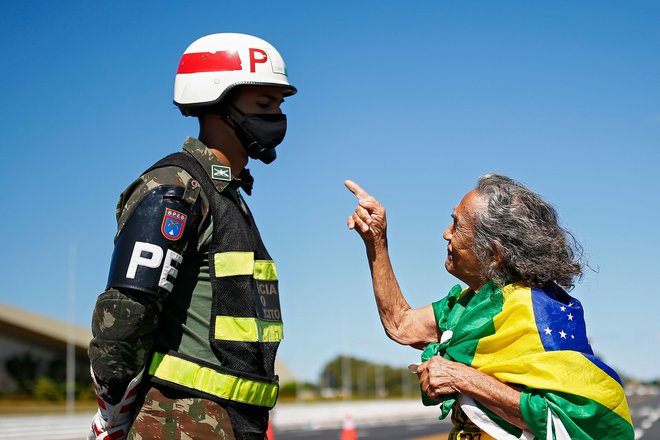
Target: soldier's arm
x=158 y=222
x=123 y=326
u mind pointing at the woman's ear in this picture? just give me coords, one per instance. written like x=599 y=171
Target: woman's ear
x=497 y=258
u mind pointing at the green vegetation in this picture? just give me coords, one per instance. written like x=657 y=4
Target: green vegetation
x=37 y=380
x=348 y=377
x=367 y=380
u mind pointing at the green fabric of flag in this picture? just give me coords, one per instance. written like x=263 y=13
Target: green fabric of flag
x=536 y=339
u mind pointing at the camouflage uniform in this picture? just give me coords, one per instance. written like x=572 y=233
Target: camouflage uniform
x=180 y=419
x=128 y=326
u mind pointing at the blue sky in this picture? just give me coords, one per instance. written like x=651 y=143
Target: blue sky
x=413 y=100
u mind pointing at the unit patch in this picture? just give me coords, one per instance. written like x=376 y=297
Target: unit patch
x=268 y=303
x=173 y=224
x=220 y=172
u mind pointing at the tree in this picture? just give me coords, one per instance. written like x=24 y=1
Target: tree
x=365 y=376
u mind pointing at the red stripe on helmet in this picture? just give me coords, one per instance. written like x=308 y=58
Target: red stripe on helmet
x=209 y=62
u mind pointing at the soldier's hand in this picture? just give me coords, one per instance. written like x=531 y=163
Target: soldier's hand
x=369 y=218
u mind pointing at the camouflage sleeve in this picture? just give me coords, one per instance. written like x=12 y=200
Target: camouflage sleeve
x=170 y=175
x=122 y=324
x=126 y=314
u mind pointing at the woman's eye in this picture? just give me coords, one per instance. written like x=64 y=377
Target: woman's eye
x=262 y=105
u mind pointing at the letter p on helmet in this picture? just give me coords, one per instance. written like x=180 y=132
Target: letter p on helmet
x=254 y=61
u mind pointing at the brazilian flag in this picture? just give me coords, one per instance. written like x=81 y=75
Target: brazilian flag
x=536 y=339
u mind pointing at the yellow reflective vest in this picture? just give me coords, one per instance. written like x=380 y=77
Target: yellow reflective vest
x=246 y=323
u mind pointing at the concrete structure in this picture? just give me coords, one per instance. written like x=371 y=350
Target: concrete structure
x=41 y=339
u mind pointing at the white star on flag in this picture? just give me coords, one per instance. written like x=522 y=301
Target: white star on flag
x=570 y=317
x=562 y=308
x=562 y=334
x=547 y=331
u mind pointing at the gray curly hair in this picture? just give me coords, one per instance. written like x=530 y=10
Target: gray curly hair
x=518 y=237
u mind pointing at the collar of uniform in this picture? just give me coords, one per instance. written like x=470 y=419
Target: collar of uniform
x=207 y=159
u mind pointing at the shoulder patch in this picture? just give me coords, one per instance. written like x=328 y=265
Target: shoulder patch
x=173 y=224
x=221 y=172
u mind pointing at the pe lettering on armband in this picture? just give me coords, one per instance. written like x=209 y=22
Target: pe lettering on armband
x=149 y=249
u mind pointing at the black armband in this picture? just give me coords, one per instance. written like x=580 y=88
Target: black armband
x=149 y=248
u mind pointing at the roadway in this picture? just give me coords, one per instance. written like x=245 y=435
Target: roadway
x=417 y=430
x=386 y=420
x=645 y=414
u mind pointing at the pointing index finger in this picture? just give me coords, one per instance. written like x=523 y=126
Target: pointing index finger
x=356 y=189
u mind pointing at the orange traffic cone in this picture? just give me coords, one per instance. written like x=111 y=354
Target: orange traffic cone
x=348 y=431
x=269 y=432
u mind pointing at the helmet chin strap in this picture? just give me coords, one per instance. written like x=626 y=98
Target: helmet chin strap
x=250 y=145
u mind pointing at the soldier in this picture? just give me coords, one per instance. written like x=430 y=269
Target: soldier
x=186 y=332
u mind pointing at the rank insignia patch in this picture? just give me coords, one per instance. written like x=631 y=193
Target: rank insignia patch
x=220 y=172
x=173 y=224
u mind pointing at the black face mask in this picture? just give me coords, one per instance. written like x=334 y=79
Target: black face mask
x=260 y=134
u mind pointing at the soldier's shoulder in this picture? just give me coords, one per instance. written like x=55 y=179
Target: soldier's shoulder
x=169 y=175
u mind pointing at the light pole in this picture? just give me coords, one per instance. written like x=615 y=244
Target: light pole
x=71 y=336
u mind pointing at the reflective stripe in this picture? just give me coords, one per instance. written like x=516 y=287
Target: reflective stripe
x=207 y=380
x=229 y=328
x=233 y=263
x=265 y=270
x=243 y=263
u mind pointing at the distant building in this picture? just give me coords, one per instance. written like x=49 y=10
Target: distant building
x=44 y=339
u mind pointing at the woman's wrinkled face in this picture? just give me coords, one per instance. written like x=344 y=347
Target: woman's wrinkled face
x=462 y=261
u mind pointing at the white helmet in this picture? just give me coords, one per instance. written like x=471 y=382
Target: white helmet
x=213 y=65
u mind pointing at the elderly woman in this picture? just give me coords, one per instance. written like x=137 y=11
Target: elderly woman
x=508 y=355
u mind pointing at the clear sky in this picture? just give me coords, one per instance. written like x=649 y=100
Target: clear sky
x=413 y=100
